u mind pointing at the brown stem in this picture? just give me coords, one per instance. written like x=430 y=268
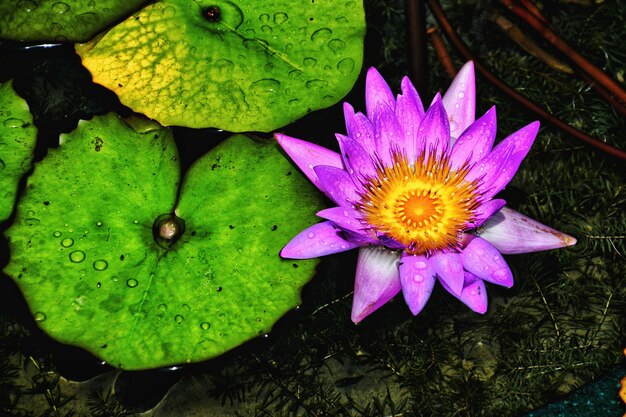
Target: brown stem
x=441 y=51
x=612 y=87
x=454 y=38
x=600 y=89
x=530 y=6
x=415 y=11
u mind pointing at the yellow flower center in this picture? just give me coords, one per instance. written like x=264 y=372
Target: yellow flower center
x=425 y=206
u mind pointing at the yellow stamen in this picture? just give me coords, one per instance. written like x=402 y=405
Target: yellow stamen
x=425 y=205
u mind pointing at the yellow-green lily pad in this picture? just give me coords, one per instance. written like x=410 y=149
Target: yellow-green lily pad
x=60 y=20
x=17 y=140
x=97 y=250
x=238 y=66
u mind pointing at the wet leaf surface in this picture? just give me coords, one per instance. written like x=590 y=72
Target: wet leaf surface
x=17 y=140
x=246 y=66
x=84 y=254
x=60 y=20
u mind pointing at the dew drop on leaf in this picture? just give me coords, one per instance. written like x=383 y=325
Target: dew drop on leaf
x=179 y=319
x=56 y=234
x=321 y=35
x=346 y=66
x=60 y=7
x=100 y=265
x=336 y=45
x=13 y=123
x=27 y=5
x=67 y=242
x=132 y=283
x=205 y=325
x=280 y=18
x=77 y=256
x=39 y=316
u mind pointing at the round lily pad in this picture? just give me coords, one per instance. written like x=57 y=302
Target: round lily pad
x=60 y=20
x=17 y=140
x=239 y=66
x=108 y=260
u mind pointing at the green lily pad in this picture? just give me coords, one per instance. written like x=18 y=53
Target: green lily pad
x=60 y=20
x=17 y=140
x=84 y=255
x=245 y=66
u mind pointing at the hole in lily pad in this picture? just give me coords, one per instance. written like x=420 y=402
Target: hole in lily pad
x=167 y=229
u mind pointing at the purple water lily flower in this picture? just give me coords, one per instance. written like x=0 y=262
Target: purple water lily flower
x=415 y=192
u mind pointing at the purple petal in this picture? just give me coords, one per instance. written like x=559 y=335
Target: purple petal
x=357 y=160
x=449 y=267
x=388 y=133
x=521 y=141
x=434 y=131
x=418 y=279
x=507 y=157
x=411 y=98
x=318 y=240
x=474 y=294
x=377 y=280
x=307 y=156
x=377 y=93
x=484 y=261
x=460 y=100
x=346 y=218
x=488 y=169
x=409 y=112
x=338 y=185
x=476 y=141
x=486 y=210
x=359 y=128
x=511 y=232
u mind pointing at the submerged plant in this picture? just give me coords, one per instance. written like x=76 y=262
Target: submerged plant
x=415 y=191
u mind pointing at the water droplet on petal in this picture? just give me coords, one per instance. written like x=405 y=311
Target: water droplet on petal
x=500 y=274
x=39 y=316
x=67 y=242
x=132 y=282
x=418 y=278
x=100 y=265
x=460 y=94
x=77 y=256
x=311 y=235
x=420 y=265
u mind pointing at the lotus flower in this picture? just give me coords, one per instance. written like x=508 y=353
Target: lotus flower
x=415 y=192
